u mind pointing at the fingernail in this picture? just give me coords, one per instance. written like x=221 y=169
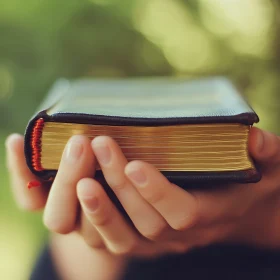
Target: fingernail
x=137 y=176
x=86 y=195
x=103 y=154
x=260 y=141
x=74 y=149
x=91 y=203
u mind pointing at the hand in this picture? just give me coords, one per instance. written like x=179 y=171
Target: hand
x=175 y=220
x=62 y=214
x=60 y=201
x=167 y=218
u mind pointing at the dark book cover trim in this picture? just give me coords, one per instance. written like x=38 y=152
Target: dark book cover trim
x=184 y=179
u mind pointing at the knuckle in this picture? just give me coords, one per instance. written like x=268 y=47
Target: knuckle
x=185 y=222
x=154 y=197
x=191 y=218
x=58 y=226
x=103 y=218
x=117 y=185
x=102 y=221
x=124 y=250
x=155 y=232
x=95 y=243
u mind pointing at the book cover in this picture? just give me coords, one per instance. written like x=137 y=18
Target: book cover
x=191 y=130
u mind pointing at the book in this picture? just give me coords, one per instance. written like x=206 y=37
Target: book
x=190 y=130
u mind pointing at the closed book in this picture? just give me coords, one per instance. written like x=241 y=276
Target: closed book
x=191 y=130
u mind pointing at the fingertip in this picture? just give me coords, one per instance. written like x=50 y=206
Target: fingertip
x=87 y=187
x=256 y=141
x=264 y=146
x=90 y=195
x=80 y=141
x=75 y=148
x=84 y=188
x=14 y=141
x=100 y=141
x=133 y=166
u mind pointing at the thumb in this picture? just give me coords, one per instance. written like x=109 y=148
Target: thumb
x=20 y=175
x=264 y=147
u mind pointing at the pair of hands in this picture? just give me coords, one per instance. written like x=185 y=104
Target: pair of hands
x=167 y=219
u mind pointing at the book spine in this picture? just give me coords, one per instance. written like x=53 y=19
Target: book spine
x=33 y=147
x=36 y=144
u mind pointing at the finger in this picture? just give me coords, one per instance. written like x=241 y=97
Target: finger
x=100 y=211
x=178 y=207
x=184 y=210
x=264 y=147
x=77 y=162
x=112 y=161
x=27 y=199
x=89 y=233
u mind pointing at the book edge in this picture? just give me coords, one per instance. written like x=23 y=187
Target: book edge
x=245 y=118
x=252 y=175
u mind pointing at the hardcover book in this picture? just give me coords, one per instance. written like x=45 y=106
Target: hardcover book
x=191 y=130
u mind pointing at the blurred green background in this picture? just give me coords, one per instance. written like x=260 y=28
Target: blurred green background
x=41 y=41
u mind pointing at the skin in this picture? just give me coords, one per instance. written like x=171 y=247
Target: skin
x=167 y=219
